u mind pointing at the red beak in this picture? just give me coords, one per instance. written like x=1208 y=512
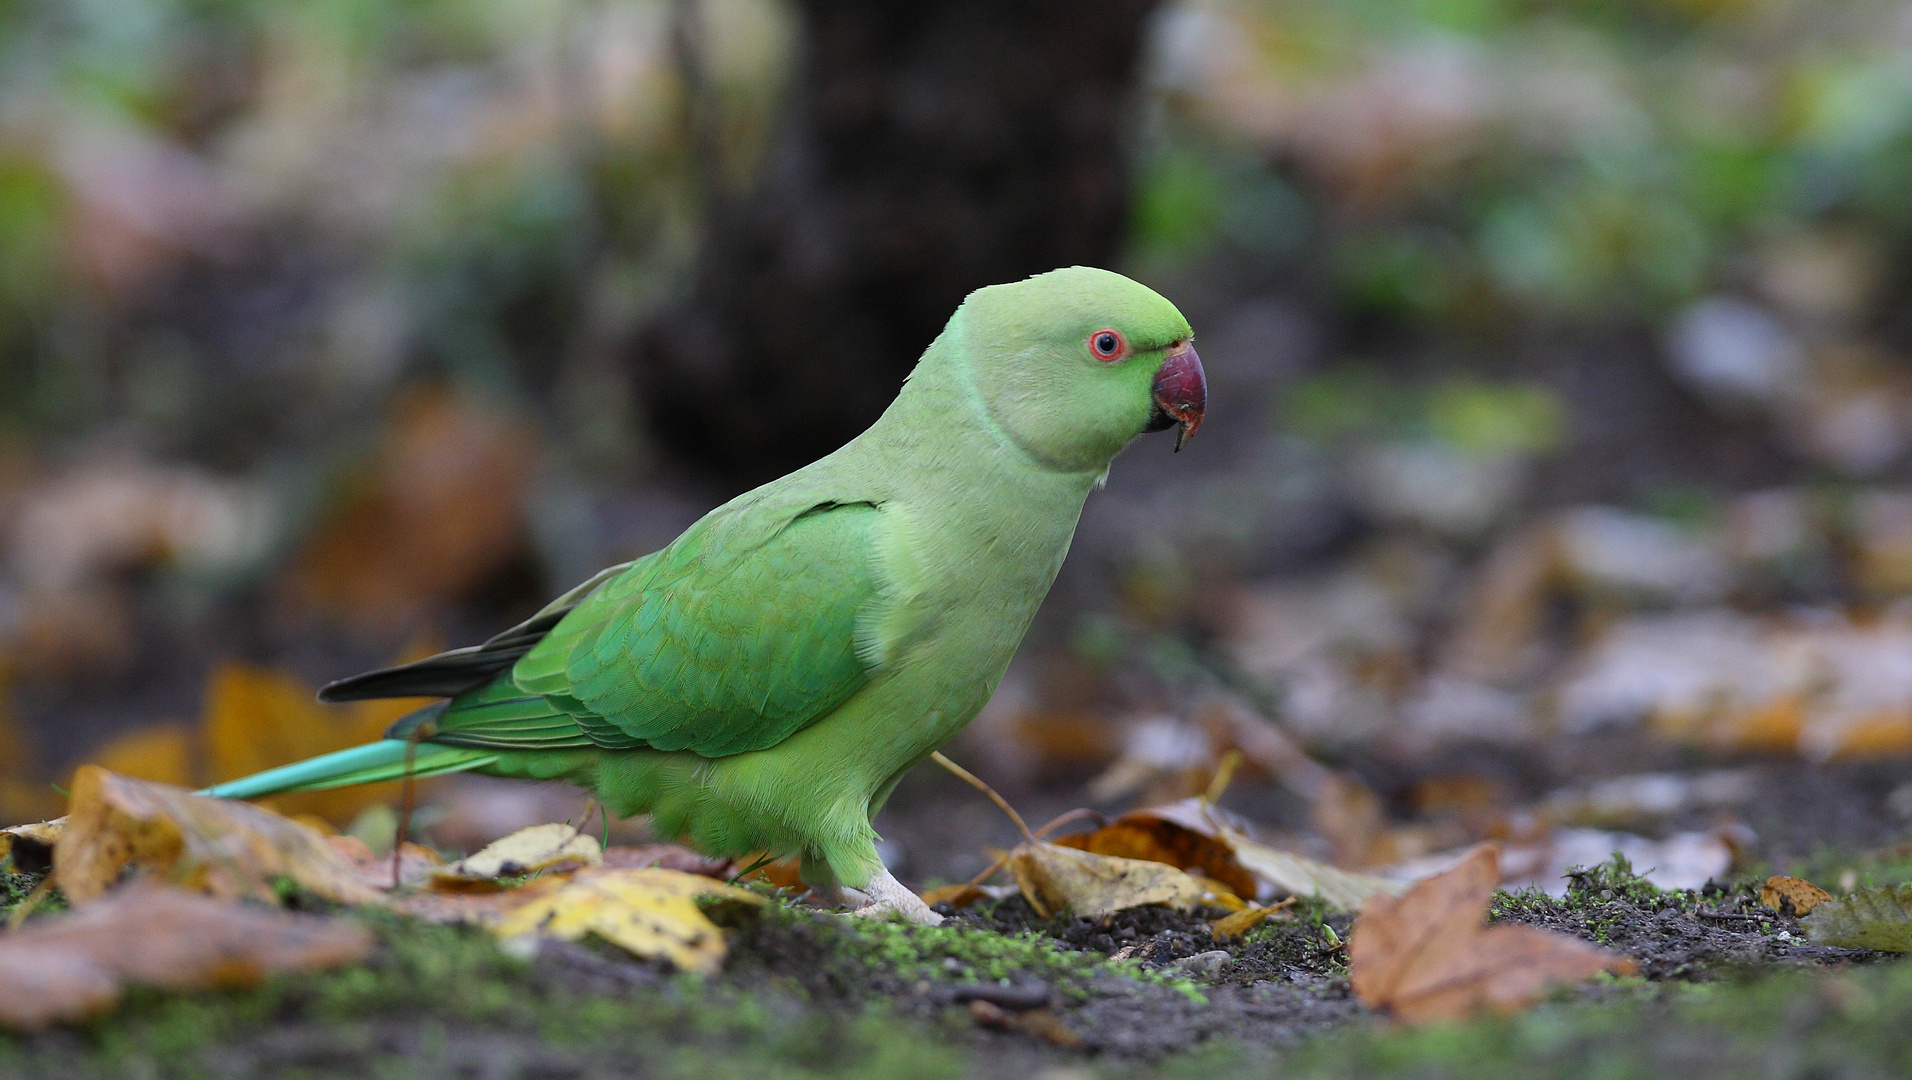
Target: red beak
x=1181 y=393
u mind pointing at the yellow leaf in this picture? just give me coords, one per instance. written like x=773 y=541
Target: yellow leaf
x=218 y=846
x=1054 y=878
x=526 y=851
x=31 y=843
x=257 y=719
x=163 y=753
x=1240 y=922
x=649 y=912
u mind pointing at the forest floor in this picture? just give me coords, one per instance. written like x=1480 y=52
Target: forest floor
x=1724 y=988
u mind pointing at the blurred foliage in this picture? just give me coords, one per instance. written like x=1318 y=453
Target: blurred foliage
x=1458 y=161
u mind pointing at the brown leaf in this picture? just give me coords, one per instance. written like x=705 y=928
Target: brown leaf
x=1425 y=956
x=956 y=896
x=1178 y=834
x=1054 y=878
x=1193 y=835
x=219 y=846
x=1803 y=895
x=73 y=966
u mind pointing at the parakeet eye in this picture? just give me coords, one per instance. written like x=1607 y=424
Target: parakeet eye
x=1108 y=344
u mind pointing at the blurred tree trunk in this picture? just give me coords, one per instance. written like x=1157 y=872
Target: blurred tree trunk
x=930 y=147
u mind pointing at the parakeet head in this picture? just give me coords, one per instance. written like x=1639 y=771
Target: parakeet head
x=1074 y=363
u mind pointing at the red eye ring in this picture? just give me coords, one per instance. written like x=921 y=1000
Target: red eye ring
x=1108 y=345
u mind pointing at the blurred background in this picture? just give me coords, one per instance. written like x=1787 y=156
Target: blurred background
x=1556 y=485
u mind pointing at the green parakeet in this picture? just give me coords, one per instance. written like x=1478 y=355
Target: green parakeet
x=762 y=683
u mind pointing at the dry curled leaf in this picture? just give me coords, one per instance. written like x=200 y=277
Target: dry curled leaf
x=1866 y=919
x=527 y=851
x=211 y=845
x=1425 y=956
x=1193 y=835
x=72 y=966
x=649 y=912
x=1780 y=891
x=1179 y=834
x=31 y=845
x=1054 y=878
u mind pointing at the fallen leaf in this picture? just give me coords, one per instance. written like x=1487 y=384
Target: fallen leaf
x=1801 y=894
x=31 y=846
x=1866 y=919
x=1193 y=835
x=256 y=718
x=1296 y=875
x=72 y=966
x=527 y=851
x=649 y=913
x=1238 y=923
x=1054 y=878
x=957 y=897
x=1178 y=834
x=163 y=753
x=1425 y=956
x=219 y=846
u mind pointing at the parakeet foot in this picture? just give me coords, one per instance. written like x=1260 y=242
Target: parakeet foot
x=890 y=897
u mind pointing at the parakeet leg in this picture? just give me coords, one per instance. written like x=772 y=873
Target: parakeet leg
x=890 y=897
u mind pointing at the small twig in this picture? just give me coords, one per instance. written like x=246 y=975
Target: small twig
x=972 y=781
x=1077 y=814
x=1224 y=772
x=1729 y=915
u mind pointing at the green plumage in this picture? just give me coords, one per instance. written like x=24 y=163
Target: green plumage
x=764 y=680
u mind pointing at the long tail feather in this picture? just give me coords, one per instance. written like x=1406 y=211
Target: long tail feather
x=368 y=764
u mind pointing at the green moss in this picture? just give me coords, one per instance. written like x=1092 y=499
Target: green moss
x=434 y=998
x=952 y=953
x=1853 y=1023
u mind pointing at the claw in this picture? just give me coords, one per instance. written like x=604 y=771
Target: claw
x=889 y=897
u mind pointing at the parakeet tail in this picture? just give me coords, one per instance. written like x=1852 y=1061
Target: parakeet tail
x=368 y=764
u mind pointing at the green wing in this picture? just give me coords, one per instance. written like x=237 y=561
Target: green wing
x=722 y=643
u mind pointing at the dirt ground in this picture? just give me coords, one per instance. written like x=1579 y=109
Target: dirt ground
x=1000 y=992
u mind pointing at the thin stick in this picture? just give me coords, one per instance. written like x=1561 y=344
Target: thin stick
x=1077 y=814
x=970 y=779
x=404 y=811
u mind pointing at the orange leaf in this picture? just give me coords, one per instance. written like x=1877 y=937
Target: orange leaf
x=1176 y=834
x=1425 y=956
x=216 y=845
x=256 y=719
x=1803 y=895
